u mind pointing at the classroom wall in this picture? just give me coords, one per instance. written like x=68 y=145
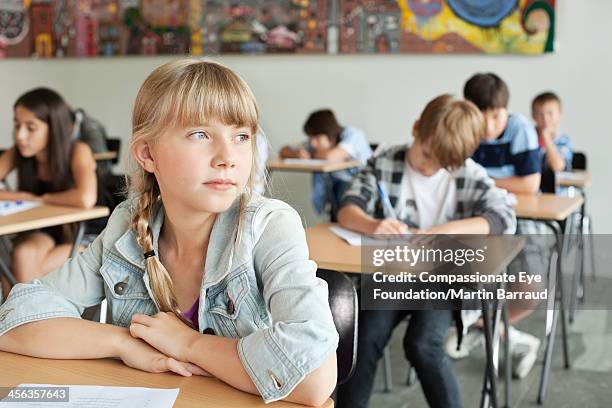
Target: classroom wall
x=381 y=94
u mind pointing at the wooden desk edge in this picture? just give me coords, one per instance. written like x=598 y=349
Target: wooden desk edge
x=53 y=220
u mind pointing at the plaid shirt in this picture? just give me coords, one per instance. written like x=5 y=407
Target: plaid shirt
x=476 y=192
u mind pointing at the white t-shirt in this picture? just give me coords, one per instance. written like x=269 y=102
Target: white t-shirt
x=435 y=197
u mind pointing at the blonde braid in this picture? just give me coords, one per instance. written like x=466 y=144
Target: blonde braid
x=160 y=280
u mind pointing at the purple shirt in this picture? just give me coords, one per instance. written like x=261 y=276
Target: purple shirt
x=192 y=314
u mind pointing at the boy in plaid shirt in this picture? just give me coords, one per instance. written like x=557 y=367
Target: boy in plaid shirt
x=434 y=188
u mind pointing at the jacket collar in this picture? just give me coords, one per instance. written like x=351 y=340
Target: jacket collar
x=220 y=252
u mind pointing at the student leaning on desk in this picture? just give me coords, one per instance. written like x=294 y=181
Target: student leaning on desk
x=328 y=140
x=208 y=277
x=50 y=168
x=431 y=187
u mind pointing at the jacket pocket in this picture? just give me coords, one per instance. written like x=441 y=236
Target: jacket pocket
x=232 y=310
x=125 y=290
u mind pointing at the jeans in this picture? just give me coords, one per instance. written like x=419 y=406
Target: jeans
x=328 y=188
x=423 y=346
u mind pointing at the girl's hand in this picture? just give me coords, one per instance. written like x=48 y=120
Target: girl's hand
x=166 y=332
x=137 y=354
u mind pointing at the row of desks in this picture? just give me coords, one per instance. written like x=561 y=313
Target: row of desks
x=577 y=178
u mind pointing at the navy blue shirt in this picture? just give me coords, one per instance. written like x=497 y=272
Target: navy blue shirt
x=515 y=153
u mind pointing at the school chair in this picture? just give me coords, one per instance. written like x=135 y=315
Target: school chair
x=345 y=311
x=114 y=145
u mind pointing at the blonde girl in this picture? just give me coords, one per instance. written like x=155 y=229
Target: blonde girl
x=201 y=275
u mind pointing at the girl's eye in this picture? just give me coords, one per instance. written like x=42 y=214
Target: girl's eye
x=242 y=138
x=200 y=135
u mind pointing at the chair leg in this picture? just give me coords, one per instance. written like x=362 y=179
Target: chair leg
x=589 y=231
x=412 y=376
x=387 y=369
x=577 y=290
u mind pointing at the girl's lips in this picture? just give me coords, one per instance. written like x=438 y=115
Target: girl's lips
x=220 y=184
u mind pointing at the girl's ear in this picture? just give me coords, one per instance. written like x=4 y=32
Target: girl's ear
x=142 y=153
x=415 y=128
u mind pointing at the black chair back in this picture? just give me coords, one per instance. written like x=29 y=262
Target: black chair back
x=579 y=161
x=114 y=145
x=345 y=310
x=548 y=183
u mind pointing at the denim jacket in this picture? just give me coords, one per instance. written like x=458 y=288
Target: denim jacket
x=261 y=289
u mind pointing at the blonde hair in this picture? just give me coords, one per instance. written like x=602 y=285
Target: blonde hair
x=184 y=93
x=453 y=127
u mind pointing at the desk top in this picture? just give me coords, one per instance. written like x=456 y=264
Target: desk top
x=546 y=207
x=105 y=156
x=331 y=252
x=48 y=216
x=312 y=168
x=194 y=391
x=576 y=178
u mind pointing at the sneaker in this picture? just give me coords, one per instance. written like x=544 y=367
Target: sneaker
x=472 y=340
x=524 y=352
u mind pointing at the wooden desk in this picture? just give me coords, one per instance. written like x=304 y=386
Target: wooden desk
x=546 y=207
x=194 y=391
x=105 y=156
x=577 y=178
x=331 y=252
x=47 y=216
x=312 y=168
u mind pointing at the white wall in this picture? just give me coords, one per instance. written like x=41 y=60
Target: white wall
x=381 y=94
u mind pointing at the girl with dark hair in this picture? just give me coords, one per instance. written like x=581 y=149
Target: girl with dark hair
x=50 y=168
x=328 y=140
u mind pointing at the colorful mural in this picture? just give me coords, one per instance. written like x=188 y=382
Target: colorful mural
x=88 y=28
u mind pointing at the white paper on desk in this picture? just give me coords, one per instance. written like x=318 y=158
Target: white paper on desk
x=93 y=396
x=12 y=207
x=312 y=162
x=569 y=175
x=356 y=239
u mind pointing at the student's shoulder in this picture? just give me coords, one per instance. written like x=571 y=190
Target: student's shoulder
x=261 y=205
x=521 y=132
x=81 y=149
x=473 y=170
x=393 y=153
x=119 y=221
x=266 y=211
x=519 y=123
x=352 y=134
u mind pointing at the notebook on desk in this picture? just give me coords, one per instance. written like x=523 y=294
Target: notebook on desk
x=12 y=207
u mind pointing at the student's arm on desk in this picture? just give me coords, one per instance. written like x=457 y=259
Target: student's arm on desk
x=352 y=217
x=55 y=338
x=219 y=355
x=529 y=184
x=59 y=299
x=289 y=152
x=333 y=154
x=84 y=193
